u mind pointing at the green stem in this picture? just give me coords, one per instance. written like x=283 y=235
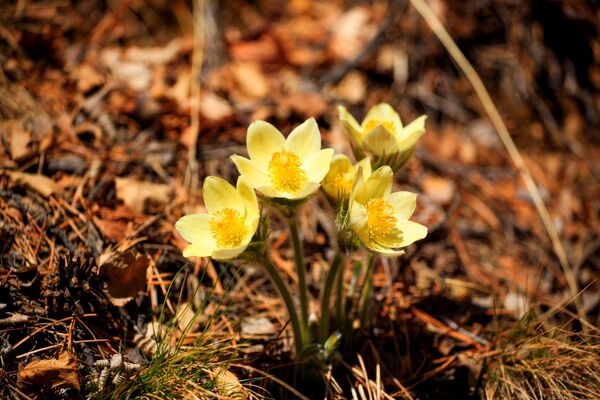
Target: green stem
x=299 y=259
x=339 y=301
x=365 y=296
x=289 y=303
x=327 y=289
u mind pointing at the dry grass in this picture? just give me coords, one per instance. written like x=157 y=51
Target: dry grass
x=536 y=363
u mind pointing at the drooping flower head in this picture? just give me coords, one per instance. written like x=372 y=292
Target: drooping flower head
x=380 y=218
x=284 y=170
x=227 y=229
x=338 y=181
x=382 y=136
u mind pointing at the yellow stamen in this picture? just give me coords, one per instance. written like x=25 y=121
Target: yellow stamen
x=381 y=220
x=285 y=172
x=343 y=182
x=374 y=123
x=228 y=228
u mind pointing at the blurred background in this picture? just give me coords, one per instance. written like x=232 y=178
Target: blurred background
x=113 y=112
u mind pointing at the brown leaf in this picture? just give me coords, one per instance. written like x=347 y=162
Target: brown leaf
x=53 y=373
x=20 y=141
x=125 y=274
x=140 y=195
x=40 y=183
x=250 y=79
x=214 y=108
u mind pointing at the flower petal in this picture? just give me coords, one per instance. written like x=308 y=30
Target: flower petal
x=228 y=254
x=350 y=125
x=248 y=169
x=411 y=133
x=382 y=112
x=358 y=222
x=309 y=190
x=194 y=227
x=377 y=186
x=219 y=194
x=359 y=189
x=199 y=249
x=365 y=163
x=404 y=204
x=250 y=202
x=380 y=142
x=263 y=140
x=317 y=165
x=411 y=232
x=305 y=139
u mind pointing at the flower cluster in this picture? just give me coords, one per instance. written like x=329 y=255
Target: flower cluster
x=285 y=172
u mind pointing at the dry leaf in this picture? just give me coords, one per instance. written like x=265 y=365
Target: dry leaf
x=40 y=183
x=87 y=78
x=440 y=190
x=53 y=373
x=20 y=141
x=250 y=80
x=214 y=108
x=140 y=195
x=228 y=385
x=258 y=326
x=352 y=88
x=350 y=33
x=125 y=274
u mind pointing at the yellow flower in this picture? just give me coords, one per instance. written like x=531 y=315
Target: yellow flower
x=280 y=168
x=380 y=218
x=227 y=229
x=382 y=135
x=338 y=181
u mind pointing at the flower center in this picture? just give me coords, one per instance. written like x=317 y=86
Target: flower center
x=343 y=183
x=374 y=123
x=285 y=172
x=227 y=227
x=381 y=220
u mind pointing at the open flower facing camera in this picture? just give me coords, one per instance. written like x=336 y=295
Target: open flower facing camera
x=381 y=135
x=284 y=170
x=227 y=229
x=380 y=218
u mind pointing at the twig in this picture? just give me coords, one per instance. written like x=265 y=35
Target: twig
x=191 y=173
x=465 y=66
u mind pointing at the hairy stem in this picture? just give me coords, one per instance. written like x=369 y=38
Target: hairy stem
x=327 y=289
x=365 y=295
x=299 y=260
x=289 y=303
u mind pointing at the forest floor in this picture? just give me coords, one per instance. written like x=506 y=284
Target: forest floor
x=96 y=137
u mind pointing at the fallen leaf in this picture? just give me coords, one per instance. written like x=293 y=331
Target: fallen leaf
x=258 y=326
x=264 y=49
x=440 y=190
x=214 y=108
x=87 y=78
x=20 y=141
x=228 y=385
x=140 y=195
x=350 y=33
x=40 y=183
x=352 y=88
x=52 y=373
x=125 y=275
x=250 y=79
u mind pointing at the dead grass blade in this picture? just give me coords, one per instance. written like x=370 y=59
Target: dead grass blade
x=488 y=104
